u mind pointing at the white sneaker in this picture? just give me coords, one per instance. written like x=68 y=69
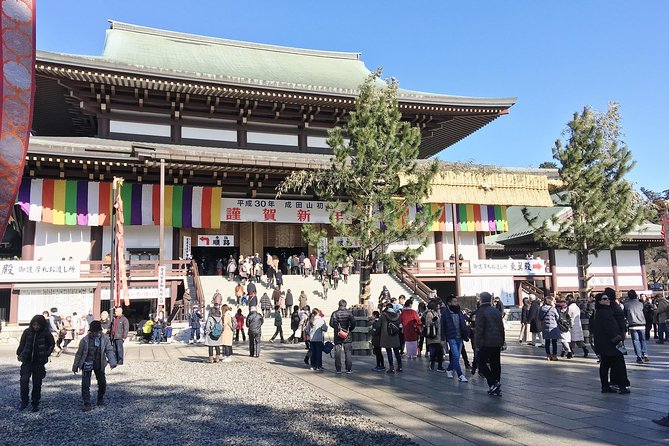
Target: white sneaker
x=463 y=379
x=190 y=342
x=449 y=374
x=227 y=359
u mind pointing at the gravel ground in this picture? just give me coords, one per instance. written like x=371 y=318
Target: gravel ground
x=183 y=402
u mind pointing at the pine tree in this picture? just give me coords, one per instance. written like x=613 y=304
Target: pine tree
x=373 y=180
x=594 y=160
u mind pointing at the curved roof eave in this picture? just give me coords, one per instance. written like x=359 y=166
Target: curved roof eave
x=406 y=96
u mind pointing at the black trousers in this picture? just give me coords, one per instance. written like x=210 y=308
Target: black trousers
x=436 y=353
x=379 y=356
x=254 y=344
x=490 y=355
x=616 y=365
x=86 y=385
x=38 y=372
x=237 y=334
x=279 y=331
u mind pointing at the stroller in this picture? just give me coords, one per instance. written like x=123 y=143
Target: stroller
x=144 y=331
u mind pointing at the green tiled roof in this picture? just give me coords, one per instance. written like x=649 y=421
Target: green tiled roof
x=173 y=51
x=200 y=58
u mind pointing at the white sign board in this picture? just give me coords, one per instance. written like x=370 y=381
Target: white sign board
x=347 y=242
x=36 y=271
x=276 y=211
x=187 y=248
x=508 y=267
x=215 y=241
x=139 y=292
x=67 y=300
x=161 y=285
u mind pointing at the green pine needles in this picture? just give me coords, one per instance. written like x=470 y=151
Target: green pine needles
x=374 y=178
x=593 y=161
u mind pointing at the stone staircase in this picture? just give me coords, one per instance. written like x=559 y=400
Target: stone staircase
x=313 y=290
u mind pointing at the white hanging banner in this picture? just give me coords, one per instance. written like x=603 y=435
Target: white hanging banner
x=187 y=247
x=161 y=285
x=276 y=211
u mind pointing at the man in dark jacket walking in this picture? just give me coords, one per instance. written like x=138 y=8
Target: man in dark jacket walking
x=343 y=321
x=33 y=352
x=489 y=341
x=119 y=331
x=254 y=323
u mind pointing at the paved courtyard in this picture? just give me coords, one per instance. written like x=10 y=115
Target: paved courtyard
x=167 y=393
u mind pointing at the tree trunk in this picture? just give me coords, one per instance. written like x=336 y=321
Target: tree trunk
x=583 y=279
x=365 y=282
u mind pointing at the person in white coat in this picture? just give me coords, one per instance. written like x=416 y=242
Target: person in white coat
x=576 y=329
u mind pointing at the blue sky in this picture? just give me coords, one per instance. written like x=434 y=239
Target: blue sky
x=555 y=57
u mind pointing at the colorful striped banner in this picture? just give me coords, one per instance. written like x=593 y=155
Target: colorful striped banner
x=470 y=218
x=83 y=203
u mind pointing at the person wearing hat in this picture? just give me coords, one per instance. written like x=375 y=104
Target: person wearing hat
x=489 y=341
x=608 y=343
x=254 y=323
x=195 y=321
x=94 y=353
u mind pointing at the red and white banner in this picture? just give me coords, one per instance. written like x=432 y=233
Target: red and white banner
x=275 y=211
x=17 y=91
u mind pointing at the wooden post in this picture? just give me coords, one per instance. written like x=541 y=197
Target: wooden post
x=28 y=240
x=112 y=266
x=614 y=267
x=161 y=249
x=456 y=253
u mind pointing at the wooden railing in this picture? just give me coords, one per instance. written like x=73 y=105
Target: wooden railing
x=197 y=283
x=417 y=286
x=530 y=288
x=99 y=270
x=437 y=267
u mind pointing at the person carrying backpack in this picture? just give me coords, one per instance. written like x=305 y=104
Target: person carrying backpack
x=433 y=336
x=390 y=337
x=375 y=330
x=213 y=330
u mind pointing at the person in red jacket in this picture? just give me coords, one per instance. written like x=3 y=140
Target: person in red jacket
x=411 y=327
x=239 y=318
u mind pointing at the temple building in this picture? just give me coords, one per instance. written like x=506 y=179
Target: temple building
x=228 y=121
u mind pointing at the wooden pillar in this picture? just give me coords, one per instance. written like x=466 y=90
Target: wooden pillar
x=176 y=236
x=103 y=126
x=642 y=262
x=28 y=240
x=480 y=244
x=614 y=265
x=14 y=306
x=97 y=304
x=551 y=259
x=258 y=238
x=246 y=239
x=439 y=245
x=96 y=242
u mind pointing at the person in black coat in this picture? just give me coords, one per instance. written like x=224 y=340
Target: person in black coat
x=607 y=338
x=532 y=315
x=34 y=349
